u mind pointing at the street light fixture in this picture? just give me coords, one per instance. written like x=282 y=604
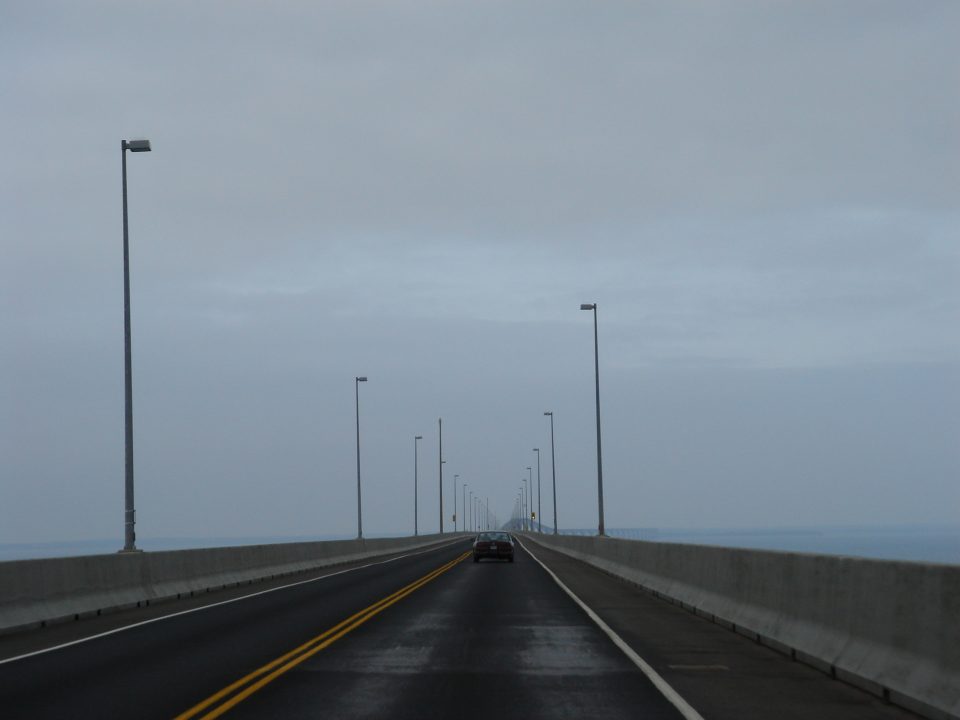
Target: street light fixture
x=416 y=439
x=129 y=515
x=596 y=365
x=356 y=387
x=553 y=469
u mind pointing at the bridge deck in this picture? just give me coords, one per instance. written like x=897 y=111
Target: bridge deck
x=427 y=635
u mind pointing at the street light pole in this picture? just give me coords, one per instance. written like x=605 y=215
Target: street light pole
x=465 y=508
x=440 y=458
x=356 y=387
x=539 y=493
x=129 y=514
x=596 y=365
x=553 y=469
x=416 y=477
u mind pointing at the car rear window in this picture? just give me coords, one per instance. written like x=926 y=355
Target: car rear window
x=499 y=537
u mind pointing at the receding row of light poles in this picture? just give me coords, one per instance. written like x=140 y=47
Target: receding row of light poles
x=526 y=491
x=477 y=521
x=129 y=545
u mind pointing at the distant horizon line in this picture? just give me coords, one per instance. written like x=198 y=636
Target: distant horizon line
x=672 y=530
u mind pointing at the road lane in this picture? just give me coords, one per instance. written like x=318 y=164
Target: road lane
x=230 y=696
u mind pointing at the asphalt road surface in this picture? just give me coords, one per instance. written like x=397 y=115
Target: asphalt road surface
x=429 y=635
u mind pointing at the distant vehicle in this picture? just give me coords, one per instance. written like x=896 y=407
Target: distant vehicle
x=497 y=545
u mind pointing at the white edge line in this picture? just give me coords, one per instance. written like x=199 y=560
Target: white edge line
x=222 y=602
x=662 y=685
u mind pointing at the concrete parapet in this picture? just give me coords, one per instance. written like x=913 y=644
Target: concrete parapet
x=49 y=590
x=891 y=627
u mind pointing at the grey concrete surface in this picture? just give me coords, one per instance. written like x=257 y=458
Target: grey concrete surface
x=891 y=627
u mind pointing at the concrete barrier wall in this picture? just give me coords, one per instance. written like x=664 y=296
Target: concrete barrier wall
x=890 y=627
x=35 y=592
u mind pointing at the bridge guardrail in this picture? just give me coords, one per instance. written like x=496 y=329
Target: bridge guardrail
x=49 y=590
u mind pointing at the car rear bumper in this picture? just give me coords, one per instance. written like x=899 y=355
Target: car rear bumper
x=496 y=554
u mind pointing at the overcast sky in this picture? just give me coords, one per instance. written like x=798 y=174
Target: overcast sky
x=762 y=197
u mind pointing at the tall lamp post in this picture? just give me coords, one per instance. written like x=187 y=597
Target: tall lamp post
x=416 y=477
x=465 y=508
x=129 y=515
x=440 y=463
x=596 y=366
x=356 y=387
x=539 y=493
x=553 y=469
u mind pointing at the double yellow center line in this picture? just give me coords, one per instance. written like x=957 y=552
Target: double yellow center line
x=235 y=693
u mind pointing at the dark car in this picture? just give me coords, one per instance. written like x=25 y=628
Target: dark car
x=497 y=545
